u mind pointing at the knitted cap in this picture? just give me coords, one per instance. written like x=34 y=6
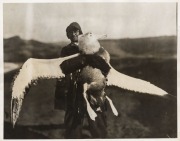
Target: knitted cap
x=72 y=26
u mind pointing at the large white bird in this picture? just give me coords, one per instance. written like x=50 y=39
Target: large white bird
x=92 y=78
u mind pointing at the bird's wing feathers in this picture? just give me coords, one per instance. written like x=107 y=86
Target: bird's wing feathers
x=32 y=70
x=118 y=79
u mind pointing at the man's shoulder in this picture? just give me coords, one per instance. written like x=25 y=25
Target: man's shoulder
x=69 y=50
x=69 y=47
x=66 y=47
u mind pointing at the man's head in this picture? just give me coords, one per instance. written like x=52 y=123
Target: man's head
x=73 y=31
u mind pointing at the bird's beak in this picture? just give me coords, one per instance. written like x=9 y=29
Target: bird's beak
x=99 y=37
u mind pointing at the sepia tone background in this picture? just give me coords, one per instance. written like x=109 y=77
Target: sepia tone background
x=142 y=42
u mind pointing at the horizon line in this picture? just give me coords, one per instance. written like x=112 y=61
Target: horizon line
x=18 y=36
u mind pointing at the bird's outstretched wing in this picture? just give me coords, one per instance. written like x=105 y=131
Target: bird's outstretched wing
x=32 y=70
x=118 y=79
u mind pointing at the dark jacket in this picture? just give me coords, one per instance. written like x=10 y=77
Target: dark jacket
x=67 y=88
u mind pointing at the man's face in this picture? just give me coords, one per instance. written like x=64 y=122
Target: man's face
x=73 y=35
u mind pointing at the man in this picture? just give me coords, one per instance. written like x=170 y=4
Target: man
x=72 y=88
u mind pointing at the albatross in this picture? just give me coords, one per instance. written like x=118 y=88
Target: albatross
x=93 y=78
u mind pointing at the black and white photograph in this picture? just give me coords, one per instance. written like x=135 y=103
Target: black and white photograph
x=90 y=70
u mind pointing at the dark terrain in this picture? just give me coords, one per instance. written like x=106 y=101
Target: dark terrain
x=141 y=115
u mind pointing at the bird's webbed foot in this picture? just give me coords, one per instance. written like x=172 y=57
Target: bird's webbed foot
x=112 y=106
x=90 y=111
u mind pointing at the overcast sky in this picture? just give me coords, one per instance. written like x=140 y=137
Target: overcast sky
x=47 y=22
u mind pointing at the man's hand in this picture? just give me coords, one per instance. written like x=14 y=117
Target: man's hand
x=71 y=65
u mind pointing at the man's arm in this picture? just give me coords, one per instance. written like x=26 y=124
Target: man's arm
x=71 y=65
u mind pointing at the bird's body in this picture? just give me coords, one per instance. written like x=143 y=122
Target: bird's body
x=94 y=78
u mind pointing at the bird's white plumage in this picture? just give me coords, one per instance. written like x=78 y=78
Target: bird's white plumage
x=118 y=79
x=32 y=70
x=112 y=106
x=90 y=111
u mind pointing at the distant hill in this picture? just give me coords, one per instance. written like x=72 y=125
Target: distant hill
x=164 y=46
x=19 y=50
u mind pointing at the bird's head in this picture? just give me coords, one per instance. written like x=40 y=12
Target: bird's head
x=88 y=42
